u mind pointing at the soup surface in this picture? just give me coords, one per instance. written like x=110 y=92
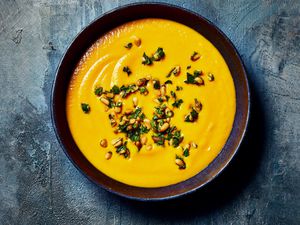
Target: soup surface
x=151 y=103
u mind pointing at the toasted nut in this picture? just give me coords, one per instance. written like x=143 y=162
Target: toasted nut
x=128 y=111
x=131 y=121
x=147 y=123
x=141 y=82
x=194 y=145
x=110 y=95
x=108 y=155
x=104 y=100
x=164 y=127
x=117 y=142
x=118 y=109
x=116 y=131
x=199 y=80
x=113 y=123
x=149 y=77
x=195 y=56
x=123 y=151
x=180 y=163
x=144 y=140
x=103 y=143
x=198 y=105
x=138 y=144
x=129 y=127
x=135 y=101
x=187 y=146
x=136 y=40
x=210 y=77
x=176 y=70
x=163 y=90
x=149 y=147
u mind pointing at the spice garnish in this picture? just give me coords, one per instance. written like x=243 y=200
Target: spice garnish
x=128 y=46
x=85 y=107
x=195 y=56
x=127 y=70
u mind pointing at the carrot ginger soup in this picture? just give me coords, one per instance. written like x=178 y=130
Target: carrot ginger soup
x=151 y=103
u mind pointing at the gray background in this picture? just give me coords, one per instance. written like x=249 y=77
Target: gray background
x=39 y=185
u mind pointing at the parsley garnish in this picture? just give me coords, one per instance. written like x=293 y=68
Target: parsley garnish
x=128 y=46
x=85 y=107
x=127 y=70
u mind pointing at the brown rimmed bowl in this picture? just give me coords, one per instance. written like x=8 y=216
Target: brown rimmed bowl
x=104 y=24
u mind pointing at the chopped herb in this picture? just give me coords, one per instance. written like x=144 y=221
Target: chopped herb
x=168 y=82
x=143 y=90
x=159 y=54
x=156 y=84
x=173 y=94
x=175 y=71
x=180 y=162
x=192 y=116
x=186 y=152
x=188 y=67
x=98 y=91
x=194 y=78
x=128 y=46
x=115 y=89
x=127 y=70
x=195 y=56
x=127 y=90
x=85 y=107
x=177 y=103
x=146 y=60
x=179 y=88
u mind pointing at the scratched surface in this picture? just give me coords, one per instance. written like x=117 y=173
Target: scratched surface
x=39 y=185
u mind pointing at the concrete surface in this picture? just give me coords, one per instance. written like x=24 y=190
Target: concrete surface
x=39 y=185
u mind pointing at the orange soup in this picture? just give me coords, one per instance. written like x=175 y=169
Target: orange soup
x=151 y=103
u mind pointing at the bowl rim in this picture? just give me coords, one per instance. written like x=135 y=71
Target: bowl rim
x=244 y=129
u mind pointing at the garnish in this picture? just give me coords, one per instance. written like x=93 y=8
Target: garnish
x=175 y=71
x=193 y=115
x=128 y=46
x=159 y=54
x=98 y=91
x=194 y=78
x=180 y=162
x=146 y=60
x=156 y=84
x=188 y=67
x=85 y=107
x=179 y=88
x=186 y=150
x=177 y=103
x=210 y=77
x=127 y=70
x=115 y=89
x=168 y=82
x=195 y=56
x=173 y=94
x=103 y=143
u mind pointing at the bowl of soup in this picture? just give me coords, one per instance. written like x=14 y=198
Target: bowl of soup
x=150 y=101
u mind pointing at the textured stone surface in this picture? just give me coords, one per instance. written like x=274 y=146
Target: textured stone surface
x=39 y=185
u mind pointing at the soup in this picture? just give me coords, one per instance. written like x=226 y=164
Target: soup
x=151 y=103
